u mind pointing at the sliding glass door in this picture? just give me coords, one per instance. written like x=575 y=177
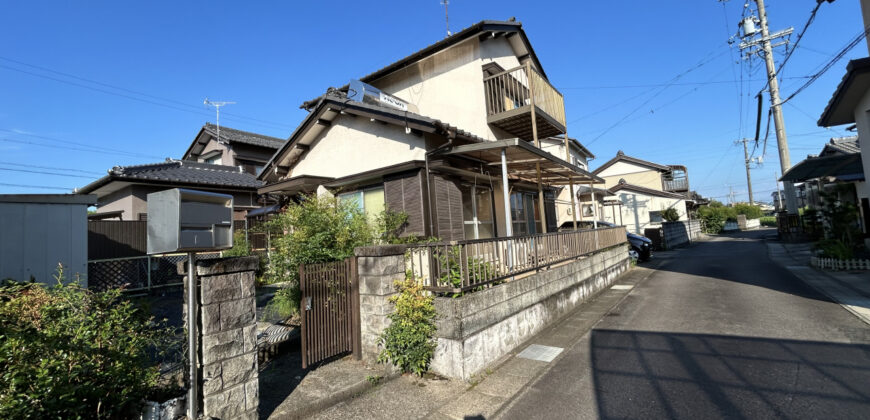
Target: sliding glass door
x=477 y=212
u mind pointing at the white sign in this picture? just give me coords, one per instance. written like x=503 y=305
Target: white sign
x=393 y=101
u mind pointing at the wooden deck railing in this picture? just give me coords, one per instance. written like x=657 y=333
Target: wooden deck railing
x=457 y=267
x=518 y=88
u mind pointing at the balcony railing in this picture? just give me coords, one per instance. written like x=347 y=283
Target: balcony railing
x=679 y=184
x=510 y=96
x=462 y=266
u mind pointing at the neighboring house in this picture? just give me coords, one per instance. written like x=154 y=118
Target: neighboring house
x=643 y=190
x=849 y=105
x=248 y=150
x=123 y=192
x=838 y=164
x=440 y=135
x=579 y=156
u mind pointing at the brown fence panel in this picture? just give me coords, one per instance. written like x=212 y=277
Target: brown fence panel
x=330 y=310
x=116 y=239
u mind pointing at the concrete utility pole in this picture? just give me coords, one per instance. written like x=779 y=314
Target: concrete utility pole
x=778 y=192
x=747 y=161
x=775 y=103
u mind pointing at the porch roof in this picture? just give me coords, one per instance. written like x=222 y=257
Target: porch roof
x=843 y=167
x=521 y=157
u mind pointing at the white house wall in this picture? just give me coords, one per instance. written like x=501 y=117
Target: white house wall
x=449 y=85
x=862 y=119
x=636 y=207
x=355 y=144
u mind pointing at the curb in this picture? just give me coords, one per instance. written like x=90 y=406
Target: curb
x=863 y=317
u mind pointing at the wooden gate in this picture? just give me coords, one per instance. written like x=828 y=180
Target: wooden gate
x=330 y=310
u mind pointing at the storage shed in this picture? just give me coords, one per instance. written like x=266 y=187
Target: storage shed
x=38 y=231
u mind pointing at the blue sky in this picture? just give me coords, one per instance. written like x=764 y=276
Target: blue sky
x=83 y=89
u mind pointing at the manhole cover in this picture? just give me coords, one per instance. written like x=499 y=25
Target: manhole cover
x=540 y=353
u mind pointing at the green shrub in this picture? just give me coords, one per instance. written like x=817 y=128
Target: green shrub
x=284 y=304
x=768 y=221
x=66 y=352
x=241 y=247
x=751 y=212
x=670 y=214
x=409 y=341
x=835 y=248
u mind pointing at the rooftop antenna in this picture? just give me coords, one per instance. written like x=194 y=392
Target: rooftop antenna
x=217 y=106
x=446 y=3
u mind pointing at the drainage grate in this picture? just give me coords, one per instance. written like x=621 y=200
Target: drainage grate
x=621 y=287
x=540 y=353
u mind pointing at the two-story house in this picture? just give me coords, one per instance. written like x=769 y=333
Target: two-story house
x=250 y=151
x=455 y=135
x=642 y=190
x=228 y=165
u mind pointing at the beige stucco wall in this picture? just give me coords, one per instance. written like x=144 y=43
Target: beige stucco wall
x=125 y=200
x=355 y=144
x=636 y=207
x=449 y=85
x=865 y=12
x=212 y=145
x=632 y=174
x=862 y=119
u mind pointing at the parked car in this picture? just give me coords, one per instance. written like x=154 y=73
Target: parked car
x=641 y=246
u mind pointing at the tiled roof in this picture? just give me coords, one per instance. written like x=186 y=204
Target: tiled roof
x=846 y=145
x=180 y=173
x=239 y=136
x=620 y=156
x=644 y=190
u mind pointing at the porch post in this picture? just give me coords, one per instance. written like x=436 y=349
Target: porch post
x=508 y=228
x=508 y=225
x=570 y=180
x=594 y=206
x=541 y=207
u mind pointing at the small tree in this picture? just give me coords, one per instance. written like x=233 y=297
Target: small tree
x=670 y=214
x=409 y=341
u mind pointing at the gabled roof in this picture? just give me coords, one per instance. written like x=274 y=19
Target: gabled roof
x=843 y=167
x=574 y=143
x=841 y=106
x=179 y=173
x=234 y=136
x=492 y=26
x=841 y=145
x=328 y=106
x=508 y=28
x=622 y=157
x=624 y=186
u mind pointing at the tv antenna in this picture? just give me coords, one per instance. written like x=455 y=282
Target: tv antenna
x=446 y=3
x=217 y=107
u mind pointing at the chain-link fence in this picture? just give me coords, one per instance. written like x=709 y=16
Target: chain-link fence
x=138 y=273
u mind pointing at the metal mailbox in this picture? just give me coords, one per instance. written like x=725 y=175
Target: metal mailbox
x=181 y=220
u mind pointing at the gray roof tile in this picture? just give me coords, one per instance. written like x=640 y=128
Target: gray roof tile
x=239 y=136
x=179 y=172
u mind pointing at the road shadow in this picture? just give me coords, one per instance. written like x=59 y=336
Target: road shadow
x=640 y=374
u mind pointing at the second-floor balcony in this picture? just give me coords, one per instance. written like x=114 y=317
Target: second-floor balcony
x=511 y=96
x=677 y=180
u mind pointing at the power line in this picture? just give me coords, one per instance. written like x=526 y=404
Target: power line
x=45 y=187
x=796 y=42
x=189 y=108
x=45 y=173
x=53 y=146
x=99 y=149
x=829 y=64
x=51 y=168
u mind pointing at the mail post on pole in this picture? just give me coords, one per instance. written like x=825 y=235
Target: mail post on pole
x=182 y=220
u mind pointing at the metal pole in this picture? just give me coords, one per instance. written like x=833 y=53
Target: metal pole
x=748 y=176
x=149 y=273
x=508 y=228
x=571 y=181
x=538 y=145
x=776 y=108
x=192 y=348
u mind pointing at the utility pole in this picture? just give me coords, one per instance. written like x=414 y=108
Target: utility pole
x=775 y=103
x=217 y=106
x=747 y=161
x=778 y=192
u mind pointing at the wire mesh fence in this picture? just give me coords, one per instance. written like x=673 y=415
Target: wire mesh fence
x=138 y=273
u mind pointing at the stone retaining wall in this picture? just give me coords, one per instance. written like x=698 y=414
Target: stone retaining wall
x=227 y=339
x=481 y=327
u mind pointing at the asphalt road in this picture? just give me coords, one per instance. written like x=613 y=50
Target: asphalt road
x=719 y=331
